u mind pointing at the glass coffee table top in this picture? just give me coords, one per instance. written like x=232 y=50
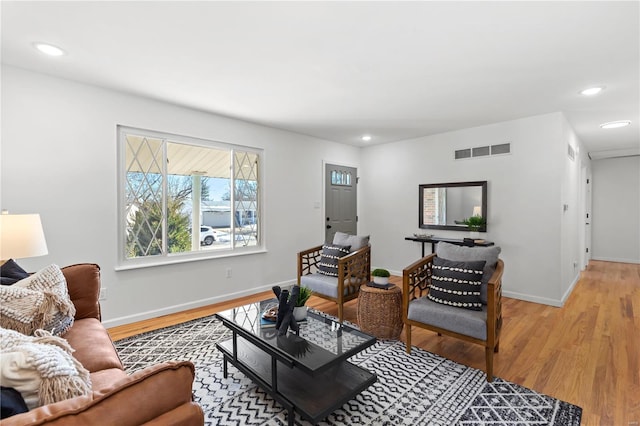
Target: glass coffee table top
x=321 y=343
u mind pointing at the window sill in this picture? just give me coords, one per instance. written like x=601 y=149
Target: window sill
x=148 y=263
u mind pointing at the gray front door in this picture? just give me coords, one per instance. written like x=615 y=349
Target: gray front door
x=340 y=200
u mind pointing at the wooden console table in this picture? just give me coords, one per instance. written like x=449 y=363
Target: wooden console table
x=456 y=241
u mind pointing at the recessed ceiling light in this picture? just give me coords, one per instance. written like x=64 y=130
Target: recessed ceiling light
x=366 y=138
x=592 y=91
x=615 y=124
x=49 y=49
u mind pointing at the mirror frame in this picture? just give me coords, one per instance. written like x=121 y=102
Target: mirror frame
x=482 y=184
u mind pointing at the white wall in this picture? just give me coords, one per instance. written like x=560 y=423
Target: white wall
x=58 y=158
x=616 y=209
x=572 y=235
x=525 y=193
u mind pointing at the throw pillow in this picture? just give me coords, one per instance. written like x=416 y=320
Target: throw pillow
x=328 y=264
x=39 y=301
x=356 y=242
x=463 y=254
x=456 y=283
x=12 y=402
x=11 y=272
x=41 y=368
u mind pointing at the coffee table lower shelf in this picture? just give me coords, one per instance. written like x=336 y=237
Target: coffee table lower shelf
x=313 y=396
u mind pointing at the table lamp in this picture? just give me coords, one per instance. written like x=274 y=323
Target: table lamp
x=477 y=211
x=21 y=236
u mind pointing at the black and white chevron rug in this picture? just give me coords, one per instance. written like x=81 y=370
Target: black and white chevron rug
x=417 y=389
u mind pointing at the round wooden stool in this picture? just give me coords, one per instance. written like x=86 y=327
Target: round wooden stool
x=380 y=311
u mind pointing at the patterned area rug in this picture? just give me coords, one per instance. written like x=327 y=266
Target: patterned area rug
x=417 y=389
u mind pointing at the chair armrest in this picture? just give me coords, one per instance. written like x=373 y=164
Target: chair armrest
x=83 y=284
x=162 y=391
x=308 y=261
x=356 y=265
x=416 y=279
x=494 y=303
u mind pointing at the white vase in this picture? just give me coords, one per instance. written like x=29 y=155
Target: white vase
x=475 y=235
x=300 y=313
x=381 y=280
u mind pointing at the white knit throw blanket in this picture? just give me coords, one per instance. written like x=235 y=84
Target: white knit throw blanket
x=57 y=375
x=39 y=301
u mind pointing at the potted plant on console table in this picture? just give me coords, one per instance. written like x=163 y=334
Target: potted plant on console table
x=475 y=223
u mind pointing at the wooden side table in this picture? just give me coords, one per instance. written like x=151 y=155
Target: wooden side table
x=380 y=311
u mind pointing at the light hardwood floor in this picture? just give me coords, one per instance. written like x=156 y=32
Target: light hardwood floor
x=586 y=353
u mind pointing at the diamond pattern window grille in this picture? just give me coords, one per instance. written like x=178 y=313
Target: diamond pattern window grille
x=245 y=200
x=144 y=200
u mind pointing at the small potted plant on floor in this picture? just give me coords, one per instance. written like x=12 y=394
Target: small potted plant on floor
x=380 y=276
x=300 y=310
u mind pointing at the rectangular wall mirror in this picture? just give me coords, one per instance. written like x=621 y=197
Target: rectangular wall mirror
x=446 y=205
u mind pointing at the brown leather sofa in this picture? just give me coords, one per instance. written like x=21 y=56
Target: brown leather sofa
x=158 y=395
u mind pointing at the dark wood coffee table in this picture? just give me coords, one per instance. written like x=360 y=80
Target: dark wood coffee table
x=306 y=373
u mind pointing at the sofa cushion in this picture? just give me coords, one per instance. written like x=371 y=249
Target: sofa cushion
x=456 y=283
x=331 y=253
x=93 y=346
x=463 y=321
x=41 y=368
x=40 y=301
x=462 y=254
x=11 y=273
x=355 y=242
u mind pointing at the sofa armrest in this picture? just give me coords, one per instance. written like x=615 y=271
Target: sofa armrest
x=162 y=391
x=83 y=284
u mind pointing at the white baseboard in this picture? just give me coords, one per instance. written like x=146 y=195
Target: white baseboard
x=190 y=305
x=535 y=299
x=567 y=293
x=615 y=259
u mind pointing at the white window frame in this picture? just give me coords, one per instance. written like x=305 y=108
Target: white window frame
x=124 y=263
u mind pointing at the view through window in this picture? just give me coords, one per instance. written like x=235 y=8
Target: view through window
x=184 y=196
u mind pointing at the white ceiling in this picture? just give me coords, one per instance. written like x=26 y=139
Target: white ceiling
x=337 y=70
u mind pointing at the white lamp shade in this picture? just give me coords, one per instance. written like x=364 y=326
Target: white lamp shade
x=21 y=236
x=477 y=211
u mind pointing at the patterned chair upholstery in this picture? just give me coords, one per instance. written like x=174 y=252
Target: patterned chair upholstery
x=477 y=326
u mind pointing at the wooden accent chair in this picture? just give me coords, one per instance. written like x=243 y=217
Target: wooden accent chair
x=354 y=270
x=481 y=327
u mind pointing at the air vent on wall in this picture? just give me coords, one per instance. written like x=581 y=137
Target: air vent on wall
x=483 y=151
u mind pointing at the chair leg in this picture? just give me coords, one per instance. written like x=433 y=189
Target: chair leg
x=489 y=355
x=497 y=347
x=407 y=327
x=340 y=313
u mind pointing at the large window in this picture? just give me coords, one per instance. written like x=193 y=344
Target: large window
x=183 y=198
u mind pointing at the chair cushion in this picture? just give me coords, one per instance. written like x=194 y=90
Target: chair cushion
x=328 y=264
x=463 y=254
x=456 y=283
x=463 y=321
x=322 y=284
x=356 y=242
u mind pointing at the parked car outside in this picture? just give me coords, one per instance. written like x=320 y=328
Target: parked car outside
x=207 y=235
